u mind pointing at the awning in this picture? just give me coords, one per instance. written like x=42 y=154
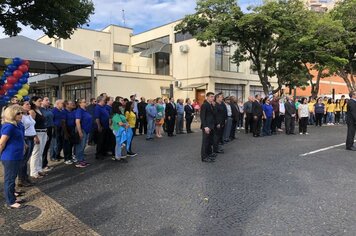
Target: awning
x=194 y=86
x=167 y=48
x=43 y=58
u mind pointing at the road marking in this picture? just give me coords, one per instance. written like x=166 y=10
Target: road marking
x=322 y=149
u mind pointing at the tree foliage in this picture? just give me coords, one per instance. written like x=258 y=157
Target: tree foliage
x=53 y=17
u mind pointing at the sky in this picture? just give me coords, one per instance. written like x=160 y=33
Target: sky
x=141 y=15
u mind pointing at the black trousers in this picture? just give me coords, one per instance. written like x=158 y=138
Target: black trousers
x=188 y=123
x=290 y=124
x=104 y=141
x=318 y=118
x=142 y=125
x=350 y=134
x=248 y=122
x=218 y=138
x=47 y=146
x=233 y=129
x=275 y=123
x=256 y=126
x=170 y=125
x=303 y=124
x=207 y=144
x=68 y=145
x=337 y=116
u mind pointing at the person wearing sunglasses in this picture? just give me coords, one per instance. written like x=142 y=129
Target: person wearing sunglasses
x=12 y=148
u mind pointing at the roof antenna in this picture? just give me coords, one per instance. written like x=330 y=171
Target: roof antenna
x=123 y=17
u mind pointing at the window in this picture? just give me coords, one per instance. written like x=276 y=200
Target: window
x=165 y=91
x=117 y=66
x=77 y=91
x=121 y=48
x=223 y=57
x=162 y=63
x=149 y=44
x=236 y=90
x=179 y=37
x=254 y=90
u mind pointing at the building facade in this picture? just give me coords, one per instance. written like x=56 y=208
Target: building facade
x=148 y=64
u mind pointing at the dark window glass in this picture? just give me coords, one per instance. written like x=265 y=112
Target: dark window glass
x=179 y=37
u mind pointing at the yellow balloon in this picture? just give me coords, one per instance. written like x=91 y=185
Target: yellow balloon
x=1 y=72
x=19 y=96
x=8 y=61
x=23 y=92
x=26 y=86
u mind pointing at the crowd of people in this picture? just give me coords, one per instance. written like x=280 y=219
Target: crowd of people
x=33 y=131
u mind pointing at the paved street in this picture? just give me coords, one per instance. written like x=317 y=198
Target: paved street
x=260 y=186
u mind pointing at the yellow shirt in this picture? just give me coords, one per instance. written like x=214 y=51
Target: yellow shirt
x=344 y=108
x=337 y=107
x=311 y=106
x=131 y=118
x=342 y=102
x=330 y=107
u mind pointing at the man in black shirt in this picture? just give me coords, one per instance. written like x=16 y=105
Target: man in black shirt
x=351 y=122
x=207 y=117
x=220 y=119
x=142 y=121
x=257 y=114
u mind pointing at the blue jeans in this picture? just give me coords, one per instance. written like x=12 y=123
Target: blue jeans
x=79 y=148
x=150 y=128
x=11 y=169
x=23 y=167
x=330 y=117
x=267 y=126
x=311 y=118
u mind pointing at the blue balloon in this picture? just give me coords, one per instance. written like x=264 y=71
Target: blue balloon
x=17 y=61
x=2 y=102
x=11 y=67
x=11 y=92
x=6 y=98
x=26 y=98
x=17 y=86
x=2 y=82
x=3 y=77
x=23 y=80
x=7 y=73
x=25 y=75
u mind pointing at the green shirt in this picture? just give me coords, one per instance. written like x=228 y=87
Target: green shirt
x=160 y=111
x=116 y=119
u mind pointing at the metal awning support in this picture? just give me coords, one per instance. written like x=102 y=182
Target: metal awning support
x=92 y=81
x=194 y=86
x=167 y=48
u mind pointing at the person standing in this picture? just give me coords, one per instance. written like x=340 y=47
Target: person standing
x=227 y=130
x=235 y=117
x=69 y=133
x=268 y=115
x=220 y=119
x=351 y=122
x=59 y=120
x=171 y=113
x=330 y=110
x=275 y=105
x=319 y=111
x=189 y=115
x=342 y=106
x=49 y=124
x=141 y=107
x=337 y=112
x=30 y=135
x=303 y=114
x=248 y=115
x=257 y=113
x=151 y=113
x=130 y=116
x=83 y=124
x=102 y=116
x=93 y=131
x=39 y=144
x=290 y=115
x=180 y=117
x=207 y=118
x=311 y=104
x=12 y=148
x=240 y=122
x=159 y=117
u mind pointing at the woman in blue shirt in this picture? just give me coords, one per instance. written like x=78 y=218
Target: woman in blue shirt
x=268 y=115
x=12 y=148
x=83 y=122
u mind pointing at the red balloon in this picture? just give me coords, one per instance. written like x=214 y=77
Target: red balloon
x=23 y=68
x=26 y=62
x=17 y=74
x=7 y=86
x=11 y=80
x=2 y=92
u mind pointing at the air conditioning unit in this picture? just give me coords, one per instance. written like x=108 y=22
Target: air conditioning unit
x=178 y=84
x=96 y=54
x=184 y=48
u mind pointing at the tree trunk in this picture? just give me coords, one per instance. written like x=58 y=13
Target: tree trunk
x=344 y=76
x=315 y=89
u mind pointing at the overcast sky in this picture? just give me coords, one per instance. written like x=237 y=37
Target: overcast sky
x=141 y=15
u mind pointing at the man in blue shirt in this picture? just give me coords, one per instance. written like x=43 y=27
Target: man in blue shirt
x=59 y=117
x=91 y=110
x=151 y=113
x=47 y=113
x=102 y=118
x=180 y=116
x=69 y=133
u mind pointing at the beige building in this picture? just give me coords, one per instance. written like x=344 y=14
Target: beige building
x=147 y=64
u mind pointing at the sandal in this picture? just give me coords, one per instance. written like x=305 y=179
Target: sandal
x=15 y=206
x=20 y=201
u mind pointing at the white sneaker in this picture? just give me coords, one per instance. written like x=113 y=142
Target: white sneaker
x=69 y=162
x=306 y=133
x=300 y=133
x=242 y=128
x=74 y=160
x=238 y=128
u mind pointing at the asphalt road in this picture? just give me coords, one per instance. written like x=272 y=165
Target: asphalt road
x=260 y=186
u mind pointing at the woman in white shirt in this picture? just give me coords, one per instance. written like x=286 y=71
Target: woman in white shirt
x=303 y=114
x=30 y=135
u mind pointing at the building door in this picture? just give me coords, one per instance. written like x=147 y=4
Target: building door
x=200 y=95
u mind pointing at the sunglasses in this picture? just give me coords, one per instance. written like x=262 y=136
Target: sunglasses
x=19 y=113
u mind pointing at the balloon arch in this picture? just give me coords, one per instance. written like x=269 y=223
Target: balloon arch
x=14 y=80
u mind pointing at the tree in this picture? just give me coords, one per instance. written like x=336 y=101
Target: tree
x=322 y=49
x=54 y=17
x=259 y=34
x=345 y=11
